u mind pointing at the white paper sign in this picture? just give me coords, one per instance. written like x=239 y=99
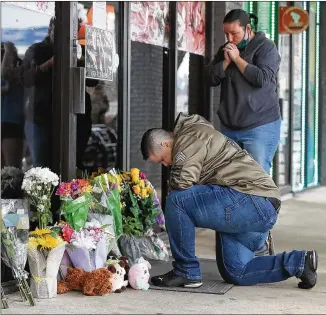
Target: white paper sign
x=99 y=14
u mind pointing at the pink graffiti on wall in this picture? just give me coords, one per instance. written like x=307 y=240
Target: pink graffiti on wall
x=149 y=22
x=191 y=26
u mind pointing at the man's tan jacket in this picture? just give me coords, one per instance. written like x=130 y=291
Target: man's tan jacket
x=203 y=155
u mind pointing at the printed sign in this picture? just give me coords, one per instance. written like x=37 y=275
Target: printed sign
x=99 y=58
x=99 y=14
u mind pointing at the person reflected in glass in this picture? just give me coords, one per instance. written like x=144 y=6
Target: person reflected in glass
x=12 y=107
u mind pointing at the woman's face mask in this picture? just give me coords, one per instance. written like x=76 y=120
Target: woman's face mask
x=245 y=40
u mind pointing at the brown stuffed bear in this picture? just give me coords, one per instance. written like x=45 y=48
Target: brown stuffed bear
x=97 y=282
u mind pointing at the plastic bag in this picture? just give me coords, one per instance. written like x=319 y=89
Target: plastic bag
x=150 y=247
x=75 y=211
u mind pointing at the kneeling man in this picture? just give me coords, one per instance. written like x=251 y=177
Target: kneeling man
x=217 y=185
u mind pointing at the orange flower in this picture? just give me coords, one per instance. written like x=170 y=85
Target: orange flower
x=134 y=173
x=136 y=189
x=141 y=183
x=149 y=190
x=143 y=193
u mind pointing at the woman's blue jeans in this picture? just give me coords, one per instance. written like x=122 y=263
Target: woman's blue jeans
x=260 y=142
x=242 y=222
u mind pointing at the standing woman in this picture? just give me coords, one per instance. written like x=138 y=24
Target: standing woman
x=246 y=67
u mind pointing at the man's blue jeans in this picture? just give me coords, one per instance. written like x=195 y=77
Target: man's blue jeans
x=261 y=142
x=243 y=222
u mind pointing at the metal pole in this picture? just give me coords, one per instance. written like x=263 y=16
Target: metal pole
x=124 y=87
x=170 y=65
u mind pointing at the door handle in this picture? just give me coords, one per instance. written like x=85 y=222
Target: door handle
x=78 y=75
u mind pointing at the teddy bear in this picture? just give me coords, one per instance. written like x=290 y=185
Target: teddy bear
x=139 y=274
x=96 y=282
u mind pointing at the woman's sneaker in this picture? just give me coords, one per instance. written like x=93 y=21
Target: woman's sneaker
x=171 y=279
x=309 y=275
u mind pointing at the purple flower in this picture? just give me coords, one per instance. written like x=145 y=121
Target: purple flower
x=142 y=175
x=159 y=220
x=114 y=186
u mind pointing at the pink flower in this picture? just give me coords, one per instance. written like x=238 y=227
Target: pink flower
x=67 y=233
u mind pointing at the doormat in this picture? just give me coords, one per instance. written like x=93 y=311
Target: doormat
x=212 y=280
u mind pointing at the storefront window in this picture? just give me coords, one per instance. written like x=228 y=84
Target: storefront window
x=283 y=153
x=27 y=31
x=26 y=84
x=312 y=136
x=299 y=86
x=101 y=96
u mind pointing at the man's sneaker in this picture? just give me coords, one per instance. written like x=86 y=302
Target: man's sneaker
x=170 y=279
x=309 y=275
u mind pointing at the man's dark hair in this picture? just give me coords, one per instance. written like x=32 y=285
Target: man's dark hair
x=243 y=17
x=151 y=141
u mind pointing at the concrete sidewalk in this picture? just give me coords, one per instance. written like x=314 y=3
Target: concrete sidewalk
x=301 y=225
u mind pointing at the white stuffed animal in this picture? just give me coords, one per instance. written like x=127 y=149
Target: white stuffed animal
x=138 y=275
x=118 y=282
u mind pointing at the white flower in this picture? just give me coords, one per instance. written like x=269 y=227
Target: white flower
x=41 y=208
x=45 y=197
x=93 y=224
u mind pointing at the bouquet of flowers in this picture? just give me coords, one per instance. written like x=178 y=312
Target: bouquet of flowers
x=15 y=228
x=105 y=207
x=76 y=200
x=45 y=251
x=39 y=184
x=141 y=209
x=14 y=239
x=87 y=248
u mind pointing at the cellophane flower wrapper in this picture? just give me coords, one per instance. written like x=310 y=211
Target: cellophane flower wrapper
x=64 y=265
x=108 y=200
x=150 y=247
x=75 y=211
x=87 y=258
x=16 y=220
x=107 y=221
x=14 y=242
x=44 y=267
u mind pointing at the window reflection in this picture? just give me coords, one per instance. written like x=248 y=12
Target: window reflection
x=26 y=93
x=26 y=81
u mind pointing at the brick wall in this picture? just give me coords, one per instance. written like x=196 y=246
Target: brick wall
x=146 y=98
x=323 y=93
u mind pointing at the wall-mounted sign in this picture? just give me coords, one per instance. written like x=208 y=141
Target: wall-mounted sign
x=293 y=20
x=99 y=58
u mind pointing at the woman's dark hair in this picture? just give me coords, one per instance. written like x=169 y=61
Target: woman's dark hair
x=243 y=17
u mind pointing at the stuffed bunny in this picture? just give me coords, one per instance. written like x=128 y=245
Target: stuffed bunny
x=139 y=274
